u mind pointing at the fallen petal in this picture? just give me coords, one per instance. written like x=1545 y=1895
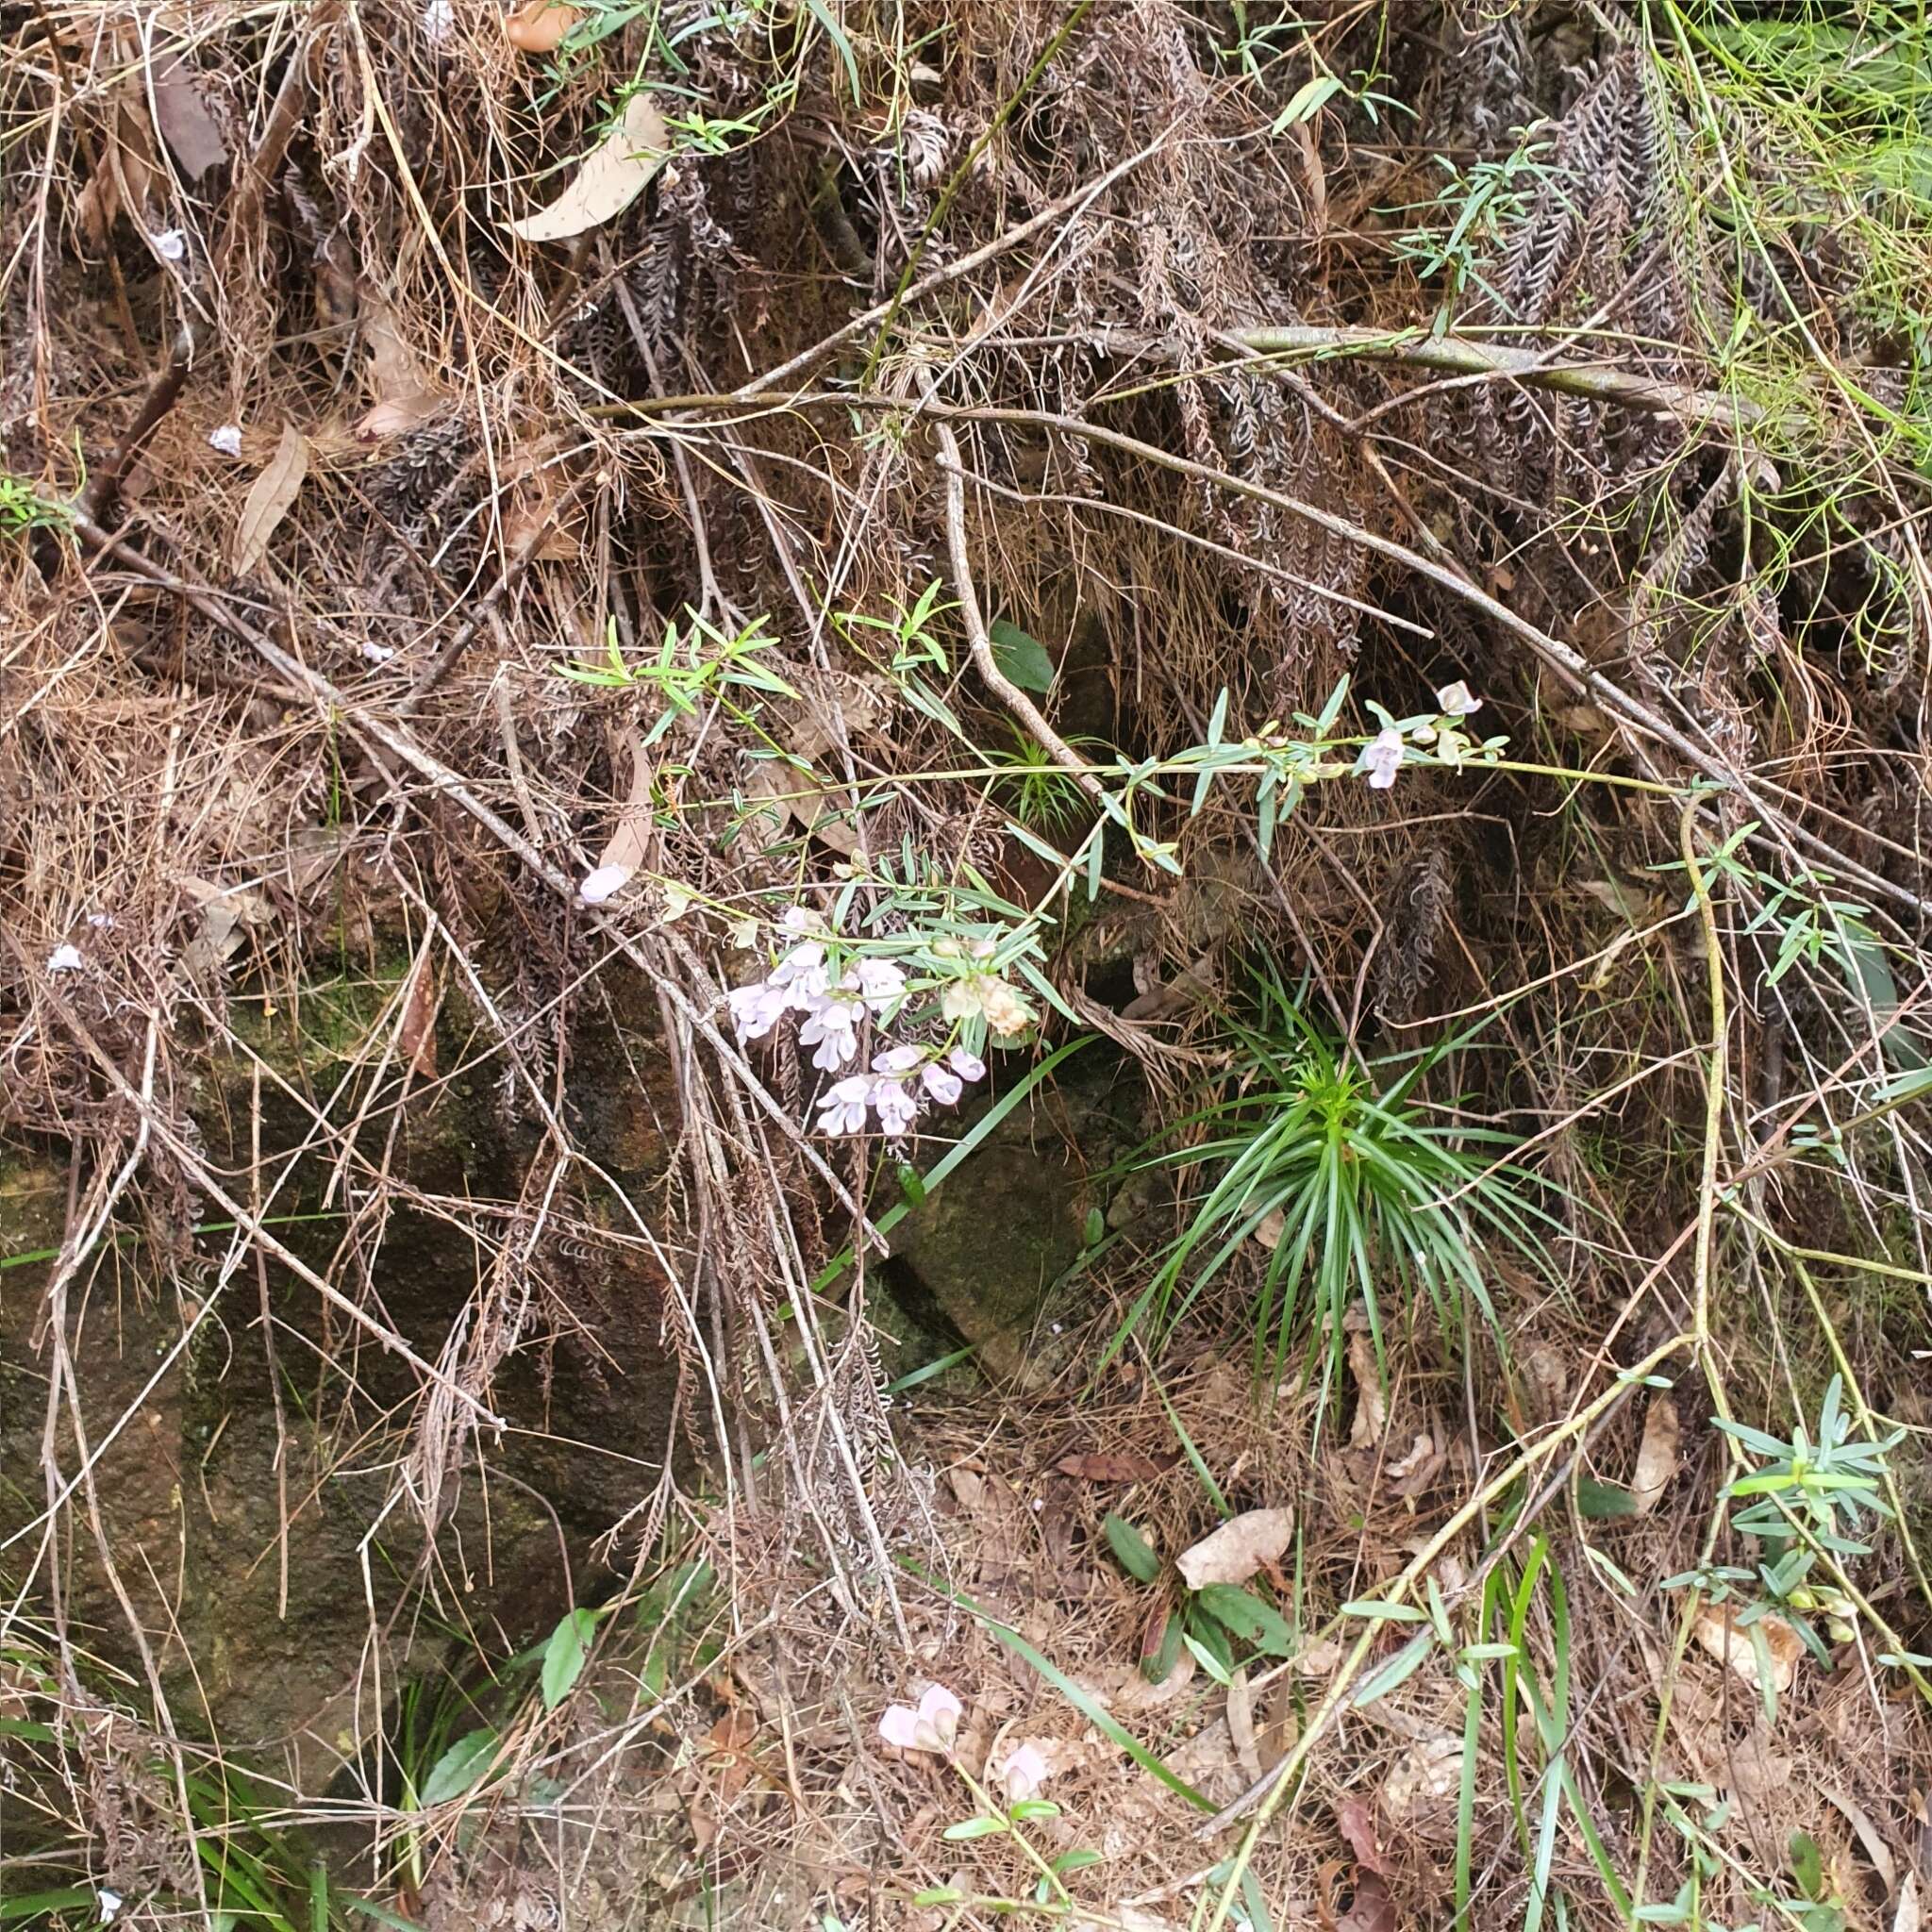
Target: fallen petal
x=603 y=883
x=899 y=1727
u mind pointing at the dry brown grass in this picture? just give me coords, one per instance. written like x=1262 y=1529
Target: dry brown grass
x=355 y=760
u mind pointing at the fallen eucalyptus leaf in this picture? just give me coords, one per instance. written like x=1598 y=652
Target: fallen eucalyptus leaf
x=626 y=851
x=1730 y=1643
x=614 y=173
x=192 y=134
x=1237 y=1548
x=269 y=500
x=1656 y=1454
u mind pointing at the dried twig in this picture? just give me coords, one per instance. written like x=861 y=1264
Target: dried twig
x=977 y=642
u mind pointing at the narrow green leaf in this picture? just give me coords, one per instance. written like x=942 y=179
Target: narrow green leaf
x=31 y=1904
x=1398 y=1670
x=1307 y=102
x=1222 y=1673
x=1374 y=1609
x=971 y=1828
x=1028 y=1810
x=460 y=1767
x=1137 y=1555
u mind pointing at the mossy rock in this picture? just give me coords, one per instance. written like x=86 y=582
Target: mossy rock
x=981 y=1253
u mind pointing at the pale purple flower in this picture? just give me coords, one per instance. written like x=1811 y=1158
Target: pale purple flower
x=439 y=22
x=227 y=439
x=1456 y=701
x=109 y=1902
x=841 y=1105
x=897 y=1060
x=897 y=1105
x=755 y=1009
x=968 y=1066
x=878 y=980
x=1026 y=1771
x=931 y=1726
x=1381 y=760
x=801 y=920
x=944 y=1084
x=800 y=965
x=171 y=245
x=831 y=1025
x=604 y=883
x=65 y=960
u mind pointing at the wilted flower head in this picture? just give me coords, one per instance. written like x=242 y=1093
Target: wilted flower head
x=1381 y=758
x=1005 y=1013
x=931 y=1725
x=1456 y=701
x=1026 y=1771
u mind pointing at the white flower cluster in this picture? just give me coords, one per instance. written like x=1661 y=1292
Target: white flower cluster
x=903 y=1077
x=844 y=1105
x=1381 y=757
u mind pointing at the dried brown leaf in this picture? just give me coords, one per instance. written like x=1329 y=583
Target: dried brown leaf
x=1240 y=1724
x=416 y=1036
x=812 y=806
x=182 y=118
x=1104 y=1466
x=1875 y=1847
x=1373 y=1909
x=1237 y=1548
x=613 y=175
x=540 y=27
x=405 y=397
x=1718 y=1631
x=1908 y=1917
x=269 y=501
x=729 y=1741
x=1372 y=1404
x=628 y=844
x=1656 y=1454
x=1425 y=1775
x=1355 y=1818
x=1754 y=1769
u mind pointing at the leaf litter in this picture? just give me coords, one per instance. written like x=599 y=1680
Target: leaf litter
x=462 y=366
